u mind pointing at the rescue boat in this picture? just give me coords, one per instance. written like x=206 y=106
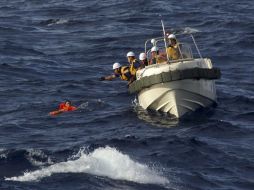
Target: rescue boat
x=177 y=86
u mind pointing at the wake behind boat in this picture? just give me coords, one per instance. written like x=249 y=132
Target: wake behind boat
x=176 y=86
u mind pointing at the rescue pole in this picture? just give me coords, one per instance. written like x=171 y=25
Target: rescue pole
x=165 y=39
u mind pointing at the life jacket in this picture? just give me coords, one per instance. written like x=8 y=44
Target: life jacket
x=158 y=59
x=125 y=73
x=65 y=108
x=173 y=52
x=134 y=66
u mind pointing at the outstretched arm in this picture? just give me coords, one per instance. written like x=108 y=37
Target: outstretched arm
x=55 y=112
x=110 y=77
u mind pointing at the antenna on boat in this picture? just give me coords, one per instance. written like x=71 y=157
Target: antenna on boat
x=165 y=39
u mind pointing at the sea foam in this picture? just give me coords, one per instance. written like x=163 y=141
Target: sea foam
x=105 y=161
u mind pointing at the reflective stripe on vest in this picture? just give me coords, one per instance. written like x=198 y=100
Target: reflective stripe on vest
x=125 y=73
x=133 y=70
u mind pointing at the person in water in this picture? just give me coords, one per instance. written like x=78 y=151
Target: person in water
x=64 y=107
x=120 y=71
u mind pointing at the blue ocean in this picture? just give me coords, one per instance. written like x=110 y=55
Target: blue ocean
x=55 y=50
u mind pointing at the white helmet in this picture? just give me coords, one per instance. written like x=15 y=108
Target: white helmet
x=153 y=41
x=154 y=48
x=142 y=56
x=116 y=66
x=171 y=36
x=130 y=54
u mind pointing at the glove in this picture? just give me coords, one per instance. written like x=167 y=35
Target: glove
x=102 y=78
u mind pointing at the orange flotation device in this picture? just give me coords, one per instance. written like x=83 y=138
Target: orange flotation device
x=63 y=108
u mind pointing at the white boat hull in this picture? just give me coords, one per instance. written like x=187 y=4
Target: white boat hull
x=178 y=97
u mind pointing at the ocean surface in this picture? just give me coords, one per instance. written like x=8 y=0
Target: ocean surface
x=58 y=49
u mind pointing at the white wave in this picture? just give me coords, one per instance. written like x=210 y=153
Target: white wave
x=38 y=158
x=58 y=21
x=2 y=154
x=83 y=106
x=107 y=162
x=189 y=30
x=90 y=106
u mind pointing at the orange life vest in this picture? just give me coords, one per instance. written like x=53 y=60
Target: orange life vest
x=65 y=108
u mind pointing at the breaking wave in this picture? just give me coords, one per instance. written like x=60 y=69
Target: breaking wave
x=38 y=158
x=2 y=154
x=33 y=156
x=107 y=162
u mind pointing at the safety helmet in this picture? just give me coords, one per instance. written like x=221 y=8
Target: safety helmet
x=142 y=56
x=153 y=41
x=130 y=54
x=171 y=36
x=154 y=48
x=116 y=66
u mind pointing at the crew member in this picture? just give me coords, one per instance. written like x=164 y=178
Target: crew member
x=156 y=58
x=173 y=48
x=120 y=71
x=134 y=64
x=64 y=107
x=143 y=60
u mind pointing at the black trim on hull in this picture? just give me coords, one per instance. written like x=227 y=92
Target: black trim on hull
x=194 y=73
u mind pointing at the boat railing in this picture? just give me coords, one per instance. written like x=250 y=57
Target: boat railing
x=194 y=41
x=158 y=65
x=185 y=49
x=154 y=43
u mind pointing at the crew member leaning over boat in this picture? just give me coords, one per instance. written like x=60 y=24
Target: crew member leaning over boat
x=134 y=63
x=173 y=48
x=156 y=57
x=120 y=71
